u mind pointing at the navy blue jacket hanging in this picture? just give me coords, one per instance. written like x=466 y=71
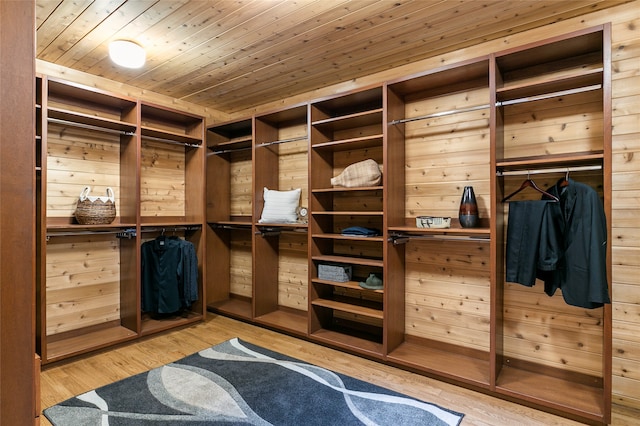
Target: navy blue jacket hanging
x=169 y=275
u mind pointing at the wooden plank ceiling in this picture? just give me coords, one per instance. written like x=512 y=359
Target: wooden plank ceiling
x=231 y=55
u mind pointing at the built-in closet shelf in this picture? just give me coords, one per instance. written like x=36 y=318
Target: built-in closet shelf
x=168 y=136
x=151 y=326
x=351 y=308
x=245 y=221
x=236 y=307
x=72 y=118
x=341 y=189
x=552 y=161
x=349 y=144
x=559 y=86
x=290 y=320
x=74 y=94
x=350 y=121
x=348 y=213
x=297 y=227
x=551 y=392
x=78 y=343
x=233 y=145
x=351 y=260
x=64 y=224
x=480 y=232
x=349 y=342
x=354 y=285
x=433 y=359
x=348 y=237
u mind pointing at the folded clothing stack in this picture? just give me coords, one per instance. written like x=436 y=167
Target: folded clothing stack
x=360 y=231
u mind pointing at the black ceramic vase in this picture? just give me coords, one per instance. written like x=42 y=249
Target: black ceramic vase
x=468 y=215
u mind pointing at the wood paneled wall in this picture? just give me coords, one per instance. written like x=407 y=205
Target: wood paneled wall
x=77 y=158
x=472 y=287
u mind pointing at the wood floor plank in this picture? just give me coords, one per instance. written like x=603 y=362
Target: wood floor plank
x=63 y=380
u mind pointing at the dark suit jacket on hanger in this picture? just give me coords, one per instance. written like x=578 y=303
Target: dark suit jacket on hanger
x=581 y=270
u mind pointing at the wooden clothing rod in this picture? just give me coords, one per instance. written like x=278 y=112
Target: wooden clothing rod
x=551 y=170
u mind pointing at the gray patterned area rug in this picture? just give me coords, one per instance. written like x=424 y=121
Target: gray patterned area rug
x=237 y=383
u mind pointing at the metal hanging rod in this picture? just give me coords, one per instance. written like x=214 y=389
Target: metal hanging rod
x=275 y=231
x=77 y=233
x=226 y=151
x=231 y=227
x=500 y=104
x=299 y=138
x=440 y=114
x=90 y=127
x=171 y=141
x=549 y=170
x=164 y=229
x=405 y=238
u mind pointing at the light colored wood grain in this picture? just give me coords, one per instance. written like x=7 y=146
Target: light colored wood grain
x=83 y=282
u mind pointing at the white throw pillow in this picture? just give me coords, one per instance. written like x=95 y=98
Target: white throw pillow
x=280 y=206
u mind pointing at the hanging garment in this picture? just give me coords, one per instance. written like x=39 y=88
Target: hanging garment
x=531 y=241
x=581 y=271
x=169 y=275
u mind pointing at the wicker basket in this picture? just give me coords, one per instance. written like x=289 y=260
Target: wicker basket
x=95 y=210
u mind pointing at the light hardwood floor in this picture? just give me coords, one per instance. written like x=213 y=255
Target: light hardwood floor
x=64 y=380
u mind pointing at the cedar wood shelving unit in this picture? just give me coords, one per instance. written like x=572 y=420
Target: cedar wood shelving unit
x=88 y=292
x=506 y=101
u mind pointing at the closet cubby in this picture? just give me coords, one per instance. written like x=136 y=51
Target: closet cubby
x=345 y=130
x=438 y=126
x=229 y=214
x=281 y=163
x=552 y=121
x=90 y=141
x=193 y=234
x=88 y=292
x=172 y=166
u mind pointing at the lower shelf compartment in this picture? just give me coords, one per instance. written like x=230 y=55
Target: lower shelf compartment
x=288 y=320
x=154 y=325
x=79 y=343
x=235 y=307
x=444 y=361
x=552 y=392
x=349 y=342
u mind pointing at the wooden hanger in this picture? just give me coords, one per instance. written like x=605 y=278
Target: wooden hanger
x=528 y=183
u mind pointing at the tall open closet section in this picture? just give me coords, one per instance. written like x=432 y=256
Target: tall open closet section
x=539 y=112
x=151 y=158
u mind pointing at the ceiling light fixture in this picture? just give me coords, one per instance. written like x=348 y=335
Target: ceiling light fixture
x=127 y=53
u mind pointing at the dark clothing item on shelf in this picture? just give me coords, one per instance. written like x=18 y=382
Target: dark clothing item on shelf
x=360 y=231
x=169 y=275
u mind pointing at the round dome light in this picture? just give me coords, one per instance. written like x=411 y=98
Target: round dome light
x=127 y=53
